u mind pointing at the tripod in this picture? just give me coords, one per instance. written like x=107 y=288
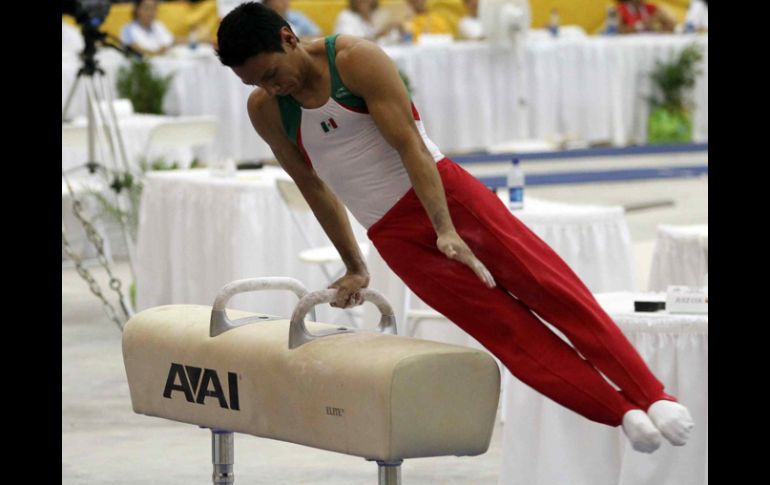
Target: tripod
x=103 y=132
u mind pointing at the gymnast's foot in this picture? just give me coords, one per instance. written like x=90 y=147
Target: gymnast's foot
x=641 y=431
x=672 y=420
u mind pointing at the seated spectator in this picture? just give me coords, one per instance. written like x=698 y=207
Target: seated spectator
x=361 y=19
x=697 y=17
x=470 y=27
x=640 y=16
x=424 y=22
x=300 y=24
x=145 y=34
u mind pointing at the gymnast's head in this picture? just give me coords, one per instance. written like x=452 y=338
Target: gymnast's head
x=260 y=47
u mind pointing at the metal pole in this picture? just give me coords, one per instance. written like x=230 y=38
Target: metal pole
x=389 y=472
x=222 y=456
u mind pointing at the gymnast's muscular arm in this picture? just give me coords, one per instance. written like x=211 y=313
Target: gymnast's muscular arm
x=369 y=73
x=266 y=118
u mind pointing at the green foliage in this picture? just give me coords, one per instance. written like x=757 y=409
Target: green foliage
x=146 y=91
x=670 y=105
x=126 y=184
x=673 y=81
x=669 y=126
x=123 y=185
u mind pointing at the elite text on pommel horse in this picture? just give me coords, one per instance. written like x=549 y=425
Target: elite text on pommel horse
x=375 y=395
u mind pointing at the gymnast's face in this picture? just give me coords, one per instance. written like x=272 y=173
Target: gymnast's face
x=278 y=73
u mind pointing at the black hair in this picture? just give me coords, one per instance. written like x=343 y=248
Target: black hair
x=137 y=3
x=352 y=8
x=250 y=29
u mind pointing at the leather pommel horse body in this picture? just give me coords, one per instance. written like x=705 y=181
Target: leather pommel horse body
x=375 y=395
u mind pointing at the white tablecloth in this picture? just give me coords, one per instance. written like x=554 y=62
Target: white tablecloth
x=199 y=231
x=468 y=93
x=680 y=256
x=590 y=89
x=544 y=443
x=594 y=240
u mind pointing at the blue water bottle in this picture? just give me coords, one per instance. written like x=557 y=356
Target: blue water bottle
x=612 y=21
x=553 y=23
x=515 y=185
x=192 y=39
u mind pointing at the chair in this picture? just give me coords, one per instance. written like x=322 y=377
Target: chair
x=184 y=132
x=318 y=255
x=74 y=137
x=680 y=256
x=122 y=107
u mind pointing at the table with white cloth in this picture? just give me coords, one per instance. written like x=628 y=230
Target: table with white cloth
x=545 y=443
x=680 y=256
x=199 y=231
x=470 y=95
x=591 y=88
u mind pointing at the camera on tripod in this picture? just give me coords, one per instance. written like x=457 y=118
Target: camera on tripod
x=90 y=15
x=87 y=12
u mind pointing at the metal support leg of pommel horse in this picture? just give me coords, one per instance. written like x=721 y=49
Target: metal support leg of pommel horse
x=222 y=456
x=389 y=472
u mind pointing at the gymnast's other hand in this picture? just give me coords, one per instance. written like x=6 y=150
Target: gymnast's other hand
x=348 y=286
x=451 y=244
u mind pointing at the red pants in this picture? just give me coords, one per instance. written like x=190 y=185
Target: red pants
x=540 y=282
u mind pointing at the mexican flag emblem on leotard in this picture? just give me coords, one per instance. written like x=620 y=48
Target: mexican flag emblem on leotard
x=329 y=125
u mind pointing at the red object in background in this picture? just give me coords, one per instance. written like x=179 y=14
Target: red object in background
x=631 y=14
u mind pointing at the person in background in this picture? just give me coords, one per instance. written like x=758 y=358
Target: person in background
x=697 y=18
x=360 y=20
x=640 y=16
x=470 y=27
x=145 y=34
x=423 y=21
x=299 y=23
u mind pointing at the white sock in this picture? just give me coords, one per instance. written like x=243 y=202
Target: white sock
x=641 y=431
x=673 y=420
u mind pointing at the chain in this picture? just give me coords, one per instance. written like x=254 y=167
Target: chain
x=98 y=242
x=92 y=284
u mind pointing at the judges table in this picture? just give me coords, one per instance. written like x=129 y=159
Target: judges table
x=545 y=443
x=199 y=231
x=470 y=95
